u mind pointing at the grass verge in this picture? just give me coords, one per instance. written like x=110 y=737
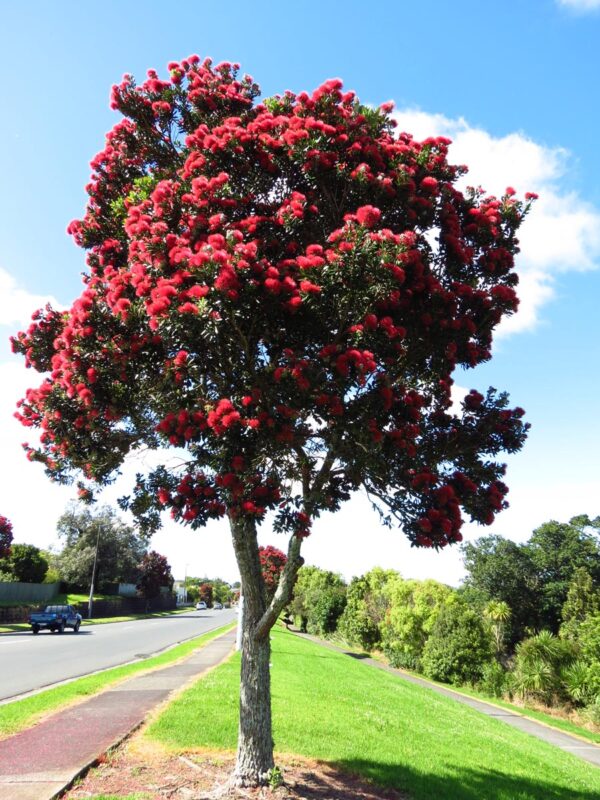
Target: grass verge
x=21 y=714
x=331 y=707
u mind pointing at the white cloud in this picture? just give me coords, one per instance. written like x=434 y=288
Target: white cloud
x=562 y=231
x=580 y=5
x=17 y=304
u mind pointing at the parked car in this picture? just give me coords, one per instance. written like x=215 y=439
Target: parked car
x=201 y=606
x=218 y=606
x=55 y=618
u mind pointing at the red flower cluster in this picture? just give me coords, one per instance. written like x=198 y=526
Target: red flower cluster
x=265 y=290
x=6 y=537
x=272 y=562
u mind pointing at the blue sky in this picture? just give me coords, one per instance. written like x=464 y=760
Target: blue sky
x=515 y=86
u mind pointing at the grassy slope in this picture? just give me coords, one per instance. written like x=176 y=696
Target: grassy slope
x=552 y=721
x=331 y=707
x=22 y=714
x=540 y=716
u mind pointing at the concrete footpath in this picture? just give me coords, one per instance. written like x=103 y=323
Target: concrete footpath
x=580 y=747
x=39 y=763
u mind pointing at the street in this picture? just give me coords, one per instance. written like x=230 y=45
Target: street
x=29 y=662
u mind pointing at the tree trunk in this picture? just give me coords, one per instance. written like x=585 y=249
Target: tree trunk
x=255 y=740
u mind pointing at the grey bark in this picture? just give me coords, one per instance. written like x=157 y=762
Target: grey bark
x=255 y=738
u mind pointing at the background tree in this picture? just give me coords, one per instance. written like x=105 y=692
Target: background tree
x=26 y=563
x=272 y=562
x=154 y=574
x=414 y=607
x=583 y=600
x=120 y=549
x=499 y=569
x=497 y=614
x=319 y=600
x=6 y=537
x=458 y=647
x=367 y=604
x=284 y=289
x=557 y=550
x=221 y=591
x=205 y=594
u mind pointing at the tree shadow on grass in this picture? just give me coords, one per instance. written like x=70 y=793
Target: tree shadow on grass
x=464 y=784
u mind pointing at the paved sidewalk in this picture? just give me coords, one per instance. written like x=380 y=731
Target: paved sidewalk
x=69 y=741
x=572 y=744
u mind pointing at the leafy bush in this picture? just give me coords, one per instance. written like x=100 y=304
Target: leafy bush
x=27 y=563
x=593 y=713
x=318 y=601
x=589 y=638
x=459 y=646
x=402 y=657
x=494 y=679
x=414 y=607
x=366 y=607
x=540 y=664
x=326 y=612
x=582 y=682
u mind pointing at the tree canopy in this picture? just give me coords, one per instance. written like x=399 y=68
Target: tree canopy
x=6 y=536
x=281 y=291
x=26 y=563
x=120 y=548
x=154 y=574
x=557 y=550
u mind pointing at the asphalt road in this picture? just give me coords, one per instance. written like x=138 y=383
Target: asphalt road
x=29 y=662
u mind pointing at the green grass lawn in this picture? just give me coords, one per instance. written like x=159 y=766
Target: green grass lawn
x=533 y=713
x=334 y=708
x=548 y=719
x=21 y=714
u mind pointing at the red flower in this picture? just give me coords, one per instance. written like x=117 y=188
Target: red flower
x=368 y=216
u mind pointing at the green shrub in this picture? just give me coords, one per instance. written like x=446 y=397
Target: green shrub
x=459 y=646
x=327 y=610
x=494 y=679
x=589 y=638
x=366 y=608
x=319 y=600
x=593 y=713
x=540 y=664
x=414 y=607
x=582 y=682
x=402 y=657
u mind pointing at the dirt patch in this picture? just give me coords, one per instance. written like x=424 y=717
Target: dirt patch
x=158 y=775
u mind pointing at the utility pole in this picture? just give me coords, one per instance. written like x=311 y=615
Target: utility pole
x=240 y=625
x=91 y=597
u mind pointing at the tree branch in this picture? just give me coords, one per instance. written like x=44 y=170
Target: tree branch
x=283 y=593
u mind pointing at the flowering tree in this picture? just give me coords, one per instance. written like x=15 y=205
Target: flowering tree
x=155 y=573
x=205 y=593
x=6 y=537
x=281 y=291
x=272 y=562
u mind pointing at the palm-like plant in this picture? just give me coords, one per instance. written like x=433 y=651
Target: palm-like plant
x=497 y=614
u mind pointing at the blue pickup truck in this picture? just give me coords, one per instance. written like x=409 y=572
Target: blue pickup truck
x=55 y=618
